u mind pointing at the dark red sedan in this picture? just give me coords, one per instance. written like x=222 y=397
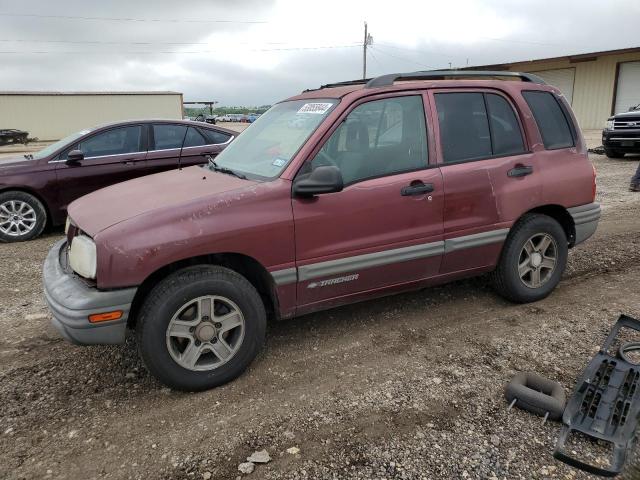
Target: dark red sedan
x=35 y=189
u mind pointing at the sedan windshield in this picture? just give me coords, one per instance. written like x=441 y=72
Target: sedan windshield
x=46 y=151
x=264 y=149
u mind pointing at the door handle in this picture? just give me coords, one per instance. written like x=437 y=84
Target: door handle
x=520 y=171
x=416 y=189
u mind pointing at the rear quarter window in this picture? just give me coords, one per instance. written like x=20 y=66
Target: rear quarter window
x=551 y=120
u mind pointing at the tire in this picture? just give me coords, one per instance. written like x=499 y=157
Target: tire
x=613 y=153
x=32 y=214
x=536 y=394
x=163 y=306
x=507 y=279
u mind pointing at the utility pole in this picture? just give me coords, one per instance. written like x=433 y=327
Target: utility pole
x=368 y=40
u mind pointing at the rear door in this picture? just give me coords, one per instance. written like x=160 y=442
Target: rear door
x=110 y=156
x=201 y=143
x=488 y=173
x=384 y=228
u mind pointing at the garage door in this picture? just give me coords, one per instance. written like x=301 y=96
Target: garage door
x=628 y=90
x=561 y=78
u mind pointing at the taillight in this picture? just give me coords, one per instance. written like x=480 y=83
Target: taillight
x=595 y=182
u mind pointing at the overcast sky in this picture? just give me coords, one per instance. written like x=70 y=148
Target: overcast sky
x=260 y=51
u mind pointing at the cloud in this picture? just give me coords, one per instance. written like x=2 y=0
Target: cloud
x=257 y=63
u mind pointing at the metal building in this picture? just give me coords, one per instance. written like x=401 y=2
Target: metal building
x=53 y=115
x=596 y=84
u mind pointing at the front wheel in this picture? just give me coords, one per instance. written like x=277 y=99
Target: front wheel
x=610 y=153
x=533 y=259
x=22 y=216
x=200 y=328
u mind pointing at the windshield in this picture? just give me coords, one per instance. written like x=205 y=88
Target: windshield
x=265 y=148
x=46 y=151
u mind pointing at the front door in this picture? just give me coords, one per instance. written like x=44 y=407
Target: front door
x=110 y=156
x=385 y=227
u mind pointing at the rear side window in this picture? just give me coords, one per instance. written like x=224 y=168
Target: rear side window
x=214 y=137
x=506 y=136
x=464 y=127
x=194 y=138
x=551 y=120
x=168 y=136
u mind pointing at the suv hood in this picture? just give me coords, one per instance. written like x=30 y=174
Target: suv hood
x=106 y=207
x=632 y=113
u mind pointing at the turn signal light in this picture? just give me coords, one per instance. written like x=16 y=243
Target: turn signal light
x=105 y=317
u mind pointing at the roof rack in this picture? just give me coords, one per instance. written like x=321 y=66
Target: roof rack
x=384 y=80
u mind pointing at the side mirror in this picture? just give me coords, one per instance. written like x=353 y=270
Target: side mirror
x=75 y=156
x=325 y=179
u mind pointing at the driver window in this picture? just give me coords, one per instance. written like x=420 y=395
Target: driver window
x=378 y=138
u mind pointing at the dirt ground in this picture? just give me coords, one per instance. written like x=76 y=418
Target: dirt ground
x=406 y=387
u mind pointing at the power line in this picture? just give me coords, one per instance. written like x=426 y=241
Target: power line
x=378 y=49
x=109 y=42
x=129 y=19
x=93 y=52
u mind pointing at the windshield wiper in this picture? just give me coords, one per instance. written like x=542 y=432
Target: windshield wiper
x=228 y=171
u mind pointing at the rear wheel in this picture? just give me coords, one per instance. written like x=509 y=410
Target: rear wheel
x=533 y=259
x=201 y=327
x=611 y=153
x=22 y=216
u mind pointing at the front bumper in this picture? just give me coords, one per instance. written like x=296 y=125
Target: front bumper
x=624 y=140
x=71 y=301
x=585 y=219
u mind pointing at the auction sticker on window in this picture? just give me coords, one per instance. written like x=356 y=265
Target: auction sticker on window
x=318 y=108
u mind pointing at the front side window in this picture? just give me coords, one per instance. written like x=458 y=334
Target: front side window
x=168 y=136
x=267 y=146
x=551 y=120
x=116 y=141
x=378 y=138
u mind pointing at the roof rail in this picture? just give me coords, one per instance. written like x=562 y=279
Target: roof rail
x=384 y=80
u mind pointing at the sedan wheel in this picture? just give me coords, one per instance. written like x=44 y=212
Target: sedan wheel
x=16 y=218
x=22 y=216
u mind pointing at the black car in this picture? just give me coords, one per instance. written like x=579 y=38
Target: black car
x=622 y=134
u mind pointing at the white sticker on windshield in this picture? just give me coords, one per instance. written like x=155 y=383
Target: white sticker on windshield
x=319 y=108
x=279 y=162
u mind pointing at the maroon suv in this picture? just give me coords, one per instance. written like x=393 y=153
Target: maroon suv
x=337 y=195
x=35 y=189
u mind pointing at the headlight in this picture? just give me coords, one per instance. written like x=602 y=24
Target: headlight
x=610 y=124
x=82 y=256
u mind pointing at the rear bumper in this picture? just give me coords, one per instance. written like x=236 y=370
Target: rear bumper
x=585 y=219
x=71 y=301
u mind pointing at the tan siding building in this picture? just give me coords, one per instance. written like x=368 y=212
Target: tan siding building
x=54 y=115
x=596 y=84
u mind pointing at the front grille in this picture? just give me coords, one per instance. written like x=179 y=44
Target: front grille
x=627 y=123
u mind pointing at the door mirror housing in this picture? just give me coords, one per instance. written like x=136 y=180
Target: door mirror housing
x=75 y=156
x=324 y=179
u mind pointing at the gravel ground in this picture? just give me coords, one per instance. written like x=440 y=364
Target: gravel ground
x=406 y=387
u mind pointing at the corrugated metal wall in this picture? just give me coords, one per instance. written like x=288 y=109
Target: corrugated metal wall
x=594 y=86
x=51 y=117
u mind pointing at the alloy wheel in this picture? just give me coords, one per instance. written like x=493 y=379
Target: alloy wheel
x=538 y=259
x=205 y=333
x=17 y=218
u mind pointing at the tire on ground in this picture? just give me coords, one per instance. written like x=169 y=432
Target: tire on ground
x=169 y=295
x=38 y=208
x=610 y=153
x=536 y=394
x=505 y=278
